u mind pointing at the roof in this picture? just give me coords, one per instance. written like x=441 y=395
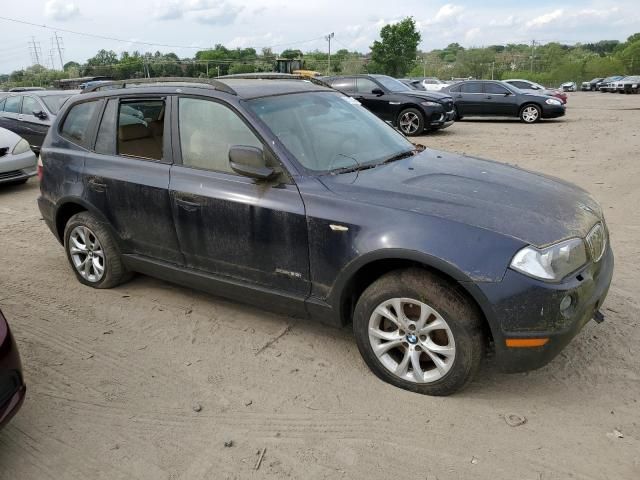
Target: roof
x=44 y=93
x=254 y=88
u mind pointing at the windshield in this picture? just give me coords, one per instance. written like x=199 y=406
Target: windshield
x=54 y=102
x=326 y=131
x=392 y=84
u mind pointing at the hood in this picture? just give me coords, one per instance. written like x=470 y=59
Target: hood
x=531 y=207
x=428 y=95
x=8 y=139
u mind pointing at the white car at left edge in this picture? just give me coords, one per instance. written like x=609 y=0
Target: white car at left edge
x=18 y=163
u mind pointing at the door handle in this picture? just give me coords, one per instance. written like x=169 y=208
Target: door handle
x=489 y=97
x=458 y=96
x=96 y=185
x=187 y=205
x=20 y=117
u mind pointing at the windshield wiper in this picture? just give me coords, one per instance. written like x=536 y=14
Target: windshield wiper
x=400 y=156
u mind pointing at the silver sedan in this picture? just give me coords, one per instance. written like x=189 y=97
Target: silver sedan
x=17 y=160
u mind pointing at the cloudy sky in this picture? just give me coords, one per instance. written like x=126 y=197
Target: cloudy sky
x=187 y=25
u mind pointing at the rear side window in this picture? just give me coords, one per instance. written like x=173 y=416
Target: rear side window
x=345 y=84
x=141 y=129
x=471 y=87
x=30 y=105
x=13 y=104
x=495 y=88
x=77 y=122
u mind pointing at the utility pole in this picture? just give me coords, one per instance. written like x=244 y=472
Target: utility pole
x=58 y=43
x=36 y=51
x=328 y=39
x=493 y=66
x=533 y=52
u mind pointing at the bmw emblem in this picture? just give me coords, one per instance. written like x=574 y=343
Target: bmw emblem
x=412 y=339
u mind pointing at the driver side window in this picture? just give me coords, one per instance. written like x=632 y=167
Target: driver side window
x=207 y=131
x=364 y=85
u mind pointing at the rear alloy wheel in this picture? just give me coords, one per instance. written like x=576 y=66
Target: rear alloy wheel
x=530 y=114
x=92 y=253
x=411 y=122
x=419 y=332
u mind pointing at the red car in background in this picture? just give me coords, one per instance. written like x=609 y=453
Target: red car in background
x=12 y=387
x=533 y=87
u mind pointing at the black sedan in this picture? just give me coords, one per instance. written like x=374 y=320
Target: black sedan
x=30 y=113
x=412 y=111
x=12 y=387
x=499 y=99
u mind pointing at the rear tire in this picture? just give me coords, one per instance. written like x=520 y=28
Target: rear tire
x=92 y=252
x=438 y=342
x=530 y=113
x=458 y=116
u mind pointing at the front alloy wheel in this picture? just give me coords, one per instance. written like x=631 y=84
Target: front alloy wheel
x=411 y=122
x=411 y=340
x=530 y=114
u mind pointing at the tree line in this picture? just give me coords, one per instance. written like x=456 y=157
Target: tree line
x=395 y=53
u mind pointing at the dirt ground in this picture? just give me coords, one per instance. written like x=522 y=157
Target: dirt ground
x=114 y=377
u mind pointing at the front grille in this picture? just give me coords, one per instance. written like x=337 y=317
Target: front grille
x=9 y=384
x=9 y=175
x=4 y=151
x=597 y=242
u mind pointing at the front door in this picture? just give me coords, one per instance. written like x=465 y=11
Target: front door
x=230 y=225
x=376 y=103
x=127 y=177
x=34 y=129
x=499 y=100
x=9 y=116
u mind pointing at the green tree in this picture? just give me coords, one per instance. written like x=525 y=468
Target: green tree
x=291 y=54
x=103 y=57
x=395 y=53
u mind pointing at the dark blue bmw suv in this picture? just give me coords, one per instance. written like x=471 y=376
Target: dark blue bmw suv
x=294 y=197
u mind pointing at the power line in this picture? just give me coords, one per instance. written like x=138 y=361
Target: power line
x=151 y=44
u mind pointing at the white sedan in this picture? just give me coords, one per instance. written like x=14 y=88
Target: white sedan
x=18 y=163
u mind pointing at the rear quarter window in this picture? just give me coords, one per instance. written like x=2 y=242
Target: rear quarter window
x=77 y=123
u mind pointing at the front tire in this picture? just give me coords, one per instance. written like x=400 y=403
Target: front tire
x=530 y=113
x=418 y=332
x=92 y=252
x=411 y=122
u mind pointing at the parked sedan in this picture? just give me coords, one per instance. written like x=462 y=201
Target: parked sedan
x=533 y=87
x=412 y=111
x=629 y=84
x=495 y=98
x=608 y=83
x=591 y=85
x=413 y=84
x=431 y=84
x=17 y=160
x=31 y=113
x=12 y=388
x=569 y=87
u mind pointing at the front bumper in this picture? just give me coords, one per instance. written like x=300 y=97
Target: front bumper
x=440 y=120
x=15 y=168
x=553 y=111
x=525 y=308
x=12 y=387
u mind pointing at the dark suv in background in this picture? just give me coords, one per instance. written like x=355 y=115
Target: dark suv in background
x=411 y=111
x=293 y=197
x=30 y=113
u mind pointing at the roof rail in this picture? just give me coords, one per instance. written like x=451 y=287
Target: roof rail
x=193 y=82
x=276 y=76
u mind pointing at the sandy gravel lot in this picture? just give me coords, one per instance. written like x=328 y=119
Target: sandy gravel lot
x=113 y=376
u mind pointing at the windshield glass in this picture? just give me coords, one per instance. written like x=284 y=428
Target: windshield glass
x=392 y=84
x=326 y=131
x=54 y=102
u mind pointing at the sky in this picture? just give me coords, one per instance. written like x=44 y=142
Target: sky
x=189 y=25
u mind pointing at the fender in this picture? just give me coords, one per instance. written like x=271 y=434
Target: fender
x=336 y=295
x=68 y=200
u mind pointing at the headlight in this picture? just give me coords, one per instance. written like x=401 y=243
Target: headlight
x=635 y=85
x=552 y=101
x=21 y=147
x=431 y=104
x=552 y=263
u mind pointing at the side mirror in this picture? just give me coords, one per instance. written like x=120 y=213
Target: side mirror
x=41 y=115
x=506 y=94
x=377 y=91
x=249 y=161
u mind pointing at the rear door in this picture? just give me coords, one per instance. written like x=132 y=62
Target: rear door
x=469 y=99
x=126 y=176
x=34 y=128
x=227 y=224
